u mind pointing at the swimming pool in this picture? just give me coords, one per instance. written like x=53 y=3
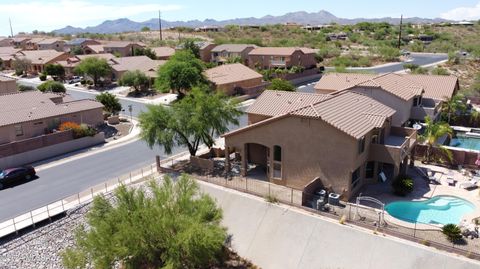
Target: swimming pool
x=465 y=142
x=441 y=209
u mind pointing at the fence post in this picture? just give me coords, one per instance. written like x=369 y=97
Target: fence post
x=31 y=217
x=63 y=208
x=246 y=184
x=48 y=213
x=415 y=230
x=269 y=189
x=15 y=227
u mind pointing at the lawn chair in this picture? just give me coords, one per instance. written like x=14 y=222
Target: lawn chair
x=434 y=177
x=471 y=184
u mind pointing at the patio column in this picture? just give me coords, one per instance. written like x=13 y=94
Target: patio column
x=227 y=160
x=244 y=156
x=396 y=170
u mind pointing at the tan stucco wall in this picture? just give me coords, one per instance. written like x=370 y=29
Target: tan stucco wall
x=58 y=46
x=35 y=128
x=254 y=118
x=229 y=88
x=402 y=107
x=296 y=59
x=9 y=86
x=310 y=149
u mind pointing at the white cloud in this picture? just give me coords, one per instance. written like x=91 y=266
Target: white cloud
x=463 y=13
x=27 y=16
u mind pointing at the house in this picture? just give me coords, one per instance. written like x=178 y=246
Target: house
x=7 y=55
x=163 y=53
x=223 y=53
x=121 y=48
x=40 y=58
x=31 y=114
x=234 y=78
x=93 y=49
x=52 y=44
x=212 y=28
x=338 y=142
x=20 y=42
x=142 y=63
x=205 y=48
x=282 y=57
x=80 y=43
x=72 y=62
x=412 y=96
x=5 y=42
x=32 y=43
x=7 y=85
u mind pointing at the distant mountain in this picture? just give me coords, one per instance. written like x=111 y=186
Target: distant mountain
x=300 y=17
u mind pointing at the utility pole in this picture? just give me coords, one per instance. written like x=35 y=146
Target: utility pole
x=160 y=24
x=400 y=33
x=11 y=29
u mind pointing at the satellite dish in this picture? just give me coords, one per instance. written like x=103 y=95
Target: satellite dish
x=417 y=126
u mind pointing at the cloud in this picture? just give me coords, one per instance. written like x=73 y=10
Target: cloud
x=43 y=15
x=463 y=13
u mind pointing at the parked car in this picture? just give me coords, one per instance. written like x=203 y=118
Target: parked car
x=405 y=52
x=75 y=79
x=12 y=176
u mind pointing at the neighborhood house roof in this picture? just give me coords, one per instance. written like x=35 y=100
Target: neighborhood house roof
x=402 y=85
x=106 y=56
x=352 y=113
x=279 y=51
x=119 y=44
x=49 y=41
x=164 y=51
x=231 y=73
x=20 y=39
x=96 y=48
x=274 y=103
x=8 y=53
x=77 y=41
x=235 y=48
x=33 y=105
x=40 y=56
x=141 y=63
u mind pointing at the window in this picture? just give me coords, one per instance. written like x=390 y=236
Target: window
x=369 y=169
x=18 y=130
x=361 y=145
x=277 y=162
x=355 y=178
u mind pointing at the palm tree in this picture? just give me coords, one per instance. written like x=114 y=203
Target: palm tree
x=433 y=131
x=453 y=105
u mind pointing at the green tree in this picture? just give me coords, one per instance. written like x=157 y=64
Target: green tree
x=77 y=50
x=110 y=102
x=24 y=88
x=452 y=232
x=145 y=51
x=145 y=29
x=55 y=70
x=135 y=79
x=180 y=73
x=452 y=106
x=177 y=226
x=279 y=84
x=52 y=86
x=94 y=67
x=195 y=119
x=440 y=71
x=21 y=65
x=433 y=131
x=189 y=45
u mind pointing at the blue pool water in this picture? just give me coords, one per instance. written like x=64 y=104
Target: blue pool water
x=465 y=142
x=437 y=210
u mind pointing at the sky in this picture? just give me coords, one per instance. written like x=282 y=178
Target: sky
x=47 y=15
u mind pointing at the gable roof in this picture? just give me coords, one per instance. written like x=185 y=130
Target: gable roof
x=120 y=44
x=141 y=63
x=96 y=48
x=230 y=73
x=436 y=87
x=78 y=41
x=393 y=83
x=164 y=51
x=279 y=51
x=49 y=41
x=338 y=81
x=40 y=56
x=34 y=105
x=351 y=113
x=274 y=103
x=235 y=48
x=106 y=56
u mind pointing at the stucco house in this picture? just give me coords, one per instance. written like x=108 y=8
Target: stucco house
x=20 y=42
x=234 y=78
x=72 y=62
x=7 y=55
x=80 y=43
x=7 y=85
x=205 y=48
x=40 y=58
x=52 y=44
x=282 y=57
x=339 y=142
x=122 y=48
x=163 y=53
x=412 y=96
x=223 y=53
x=5 y=42
x=143 y=63
x=93 y=49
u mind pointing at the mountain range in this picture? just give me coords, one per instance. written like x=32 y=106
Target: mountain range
x=300 y=17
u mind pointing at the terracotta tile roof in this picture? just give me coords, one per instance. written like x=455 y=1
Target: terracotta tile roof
x=49 y=41
x=235 y=48
x=274 y=103
x=395 y=84
x=164 y=51
x=142 y=63
x=20 y=39
x=338 y=81
x=96 y=48
x=8 y=53
x=279 y=51
x=36 y=40
x=40 y=56
x=106 y=56
x=78 y=41
x=230 y=73
x=436 y=87
x=33 y=105
x=120 y=44
x=352 y=113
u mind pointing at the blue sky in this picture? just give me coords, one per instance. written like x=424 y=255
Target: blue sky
x=48 y=15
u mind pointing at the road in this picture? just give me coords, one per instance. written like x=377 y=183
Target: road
x=72 y=177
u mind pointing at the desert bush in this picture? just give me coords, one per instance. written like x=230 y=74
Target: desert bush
x=452 y=232
x=402 y=185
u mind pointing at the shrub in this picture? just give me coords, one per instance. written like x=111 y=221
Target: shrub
x=79 y=131
x=110 y=102
x=281 y=85
x=42 y=77
x=18 y=72
x=402 y=185
x=271 y=199
x=452 y=232
x=24 y=88
x=52 y=86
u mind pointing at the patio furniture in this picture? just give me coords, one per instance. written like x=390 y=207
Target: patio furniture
x=435 y=178
x=451 y=181
x=472 y=184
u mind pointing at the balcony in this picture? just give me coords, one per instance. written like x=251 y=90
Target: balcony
x=397 y=146
x=429 y=108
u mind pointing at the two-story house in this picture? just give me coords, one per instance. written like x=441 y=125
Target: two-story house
x=121 y=48
x=223 y=53
x=281 y=57
x=344 y=141
x=52 y=44
x=40 y=58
